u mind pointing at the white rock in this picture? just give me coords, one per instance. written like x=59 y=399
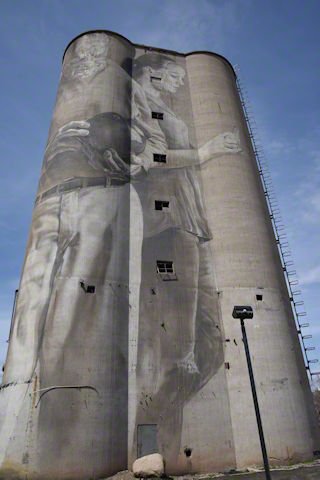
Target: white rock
x=149 y=466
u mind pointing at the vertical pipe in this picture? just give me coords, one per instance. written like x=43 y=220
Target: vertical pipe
x=13 y=310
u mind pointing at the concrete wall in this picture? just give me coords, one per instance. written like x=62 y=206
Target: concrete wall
x=123 y=328
x=247 y=264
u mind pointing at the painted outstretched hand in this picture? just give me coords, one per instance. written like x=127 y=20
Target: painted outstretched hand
x=226 y=142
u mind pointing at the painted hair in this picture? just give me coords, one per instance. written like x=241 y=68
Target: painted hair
x=153 y=60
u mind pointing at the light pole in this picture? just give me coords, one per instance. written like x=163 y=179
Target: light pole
x=246 y=312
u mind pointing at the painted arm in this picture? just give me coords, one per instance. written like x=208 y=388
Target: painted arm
x=227 y=142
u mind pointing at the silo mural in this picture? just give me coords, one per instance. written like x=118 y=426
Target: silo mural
x=149 y=225
x=180 y=344
x=70 y=337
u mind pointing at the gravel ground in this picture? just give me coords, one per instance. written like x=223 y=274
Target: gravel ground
x=304 y=471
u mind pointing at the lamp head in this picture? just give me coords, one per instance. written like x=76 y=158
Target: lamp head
x=242 y=312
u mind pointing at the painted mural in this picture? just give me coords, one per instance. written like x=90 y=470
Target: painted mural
x=117 y=126
x=179 y=339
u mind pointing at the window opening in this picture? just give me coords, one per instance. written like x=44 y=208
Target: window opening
x=259 y=297
x=87 y=288
x=165 y=269
x=155 y=79
x=188 y=451
x=164 y=266
x=160 y=204
x=157 y=115
x=159 y=157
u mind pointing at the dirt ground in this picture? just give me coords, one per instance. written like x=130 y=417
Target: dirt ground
x=307 y=471
x=301 y=473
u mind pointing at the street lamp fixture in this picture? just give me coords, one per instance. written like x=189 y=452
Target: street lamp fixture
x=245 y=312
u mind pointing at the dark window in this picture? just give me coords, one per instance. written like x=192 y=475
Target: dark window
x=155 y=79
x=187 y=452
x=166 y=271
x=259 y=297
x=159 y=157
x=87 y=288
x=157 y=115
x=227 y=365
x=160 y=204
x=164 y=266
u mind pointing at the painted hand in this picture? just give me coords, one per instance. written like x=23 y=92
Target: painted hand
x=226 y=142
x=188 y=363
x=56 y=143
x=113 y=163
x=76 y=127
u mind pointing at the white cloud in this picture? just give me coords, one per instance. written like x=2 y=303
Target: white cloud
x=183 y=25
x=313 y=330
x=311 y=276
x=308 y=194
x=278 y=146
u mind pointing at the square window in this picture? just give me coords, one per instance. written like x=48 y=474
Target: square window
x=91 y=289
x=165 y=266
x=157 y=115
x=159 y=157
x=160 y=204
x=259 y=297
x=165 y=269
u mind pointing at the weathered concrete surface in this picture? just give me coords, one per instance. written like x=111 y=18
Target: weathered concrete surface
x=247 y=263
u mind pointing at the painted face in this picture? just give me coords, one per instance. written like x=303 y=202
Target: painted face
x=172 y=77
x=92 y=45
x=91 y=51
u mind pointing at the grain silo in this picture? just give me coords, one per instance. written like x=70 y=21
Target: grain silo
x=150 y=224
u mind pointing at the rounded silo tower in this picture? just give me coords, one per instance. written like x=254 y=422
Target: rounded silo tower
x=249 y=272
x=65 y=385
x=150 y=223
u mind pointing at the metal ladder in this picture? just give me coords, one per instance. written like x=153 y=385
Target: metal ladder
x=278 y=227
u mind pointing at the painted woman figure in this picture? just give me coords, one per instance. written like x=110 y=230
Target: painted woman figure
x=180 y=344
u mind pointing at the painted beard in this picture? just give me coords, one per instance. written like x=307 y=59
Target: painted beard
x=84 y=68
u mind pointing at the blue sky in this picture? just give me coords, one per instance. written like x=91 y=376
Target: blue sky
x=276 y=44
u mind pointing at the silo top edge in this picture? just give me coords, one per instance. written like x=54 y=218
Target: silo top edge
x=110 y=32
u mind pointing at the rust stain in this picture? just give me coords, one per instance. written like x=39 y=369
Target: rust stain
x=34 y=392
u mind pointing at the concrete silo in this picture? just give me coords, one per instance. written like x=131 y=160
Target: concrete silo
x=150 y=224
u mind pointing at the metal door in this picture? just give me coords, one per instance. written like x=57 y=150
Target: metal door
x=147 y=440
